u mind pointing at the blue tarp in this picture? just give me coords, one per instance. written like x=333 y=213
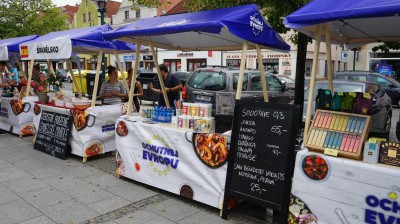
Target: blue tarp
x=320 y=11
x=353 y=22
x=88 y=39
x=12 y=44
x=220 y=29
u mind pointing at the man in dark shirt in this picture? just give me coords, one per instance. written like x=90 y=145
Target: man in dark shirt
x=172 y=86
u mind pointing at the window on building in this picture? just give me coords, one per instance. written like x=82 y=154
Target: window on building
x=84 y=17
x=90 y=16
x=137 y=13
x=126 y=14
x=308 y=67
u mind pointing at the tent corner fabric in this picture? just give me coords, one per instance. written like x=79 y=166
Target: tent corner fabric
x=11 y=45
x=351 y=22
x=219 y=29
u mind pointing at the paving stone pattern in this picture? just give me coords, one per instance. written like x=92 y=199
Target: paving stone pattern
x=38 y=188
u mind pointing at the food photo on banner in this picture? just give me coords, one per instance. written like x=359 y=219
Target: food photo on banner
x=178 y=161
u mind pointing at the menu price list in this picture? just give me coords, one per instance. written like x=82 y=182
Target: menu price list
x=261 y=158
x=260 y=149
x=53 y=134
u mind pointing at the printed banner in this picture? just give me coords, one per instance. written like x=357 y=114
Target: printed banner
x=175 y=160
x=60 y=48
x=16 y=115
x=92 y=130
x=329 y=189
x=3 y=53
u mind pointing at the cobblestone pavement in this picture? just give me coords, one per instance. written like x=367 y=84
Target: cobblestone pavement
x=243 y=213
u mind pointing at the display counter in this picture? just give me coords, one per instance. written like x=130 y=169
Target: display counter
x=93 y=129
x=167 y=158
x=16 y=115
x=329 y=189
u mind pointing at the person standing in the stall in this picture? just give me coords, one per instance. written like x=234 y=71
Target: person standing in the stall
x=112 y=91
x=172 y=86
x=138 y=90
x=3 y=86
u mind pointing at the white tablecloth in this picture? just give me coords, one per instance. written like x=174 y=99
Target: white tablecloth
x=349 y=191
x=166 y=158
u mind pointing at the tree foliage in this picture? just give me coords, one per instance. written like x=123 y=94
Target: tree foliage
x=386 y=47
x=28 y=17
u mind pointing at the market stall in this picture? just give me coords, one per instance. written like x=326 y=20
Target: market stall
x=331 y=184
x=149 y=152
x=91 y=126
x=16 y=112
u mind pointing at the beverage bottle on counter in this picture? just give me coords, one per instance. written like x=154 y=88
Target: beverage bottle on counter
x=170 y=114
x=160 y=114
x=154 y=115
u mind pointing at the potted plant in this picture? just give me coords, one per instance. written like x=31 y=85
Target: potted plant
x=43 y=84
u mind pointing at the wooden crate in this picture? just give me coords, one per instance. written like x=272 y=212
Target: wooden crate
x=322 y=124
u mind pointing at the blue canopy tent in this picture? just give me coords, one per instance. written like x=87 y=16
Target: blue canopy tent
x=63 y=44
x=10 y=47
x=345 y=22
x=232 y=28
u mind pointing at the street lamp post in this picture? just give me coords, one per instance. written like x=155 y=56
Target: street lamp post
x=102 y=10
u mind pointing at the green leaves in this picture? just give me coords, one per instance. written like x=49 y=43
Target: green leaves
x=28 y=17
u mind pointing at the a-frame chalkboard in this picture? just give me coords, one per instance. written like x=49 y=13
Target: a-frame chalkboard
x=261 y=157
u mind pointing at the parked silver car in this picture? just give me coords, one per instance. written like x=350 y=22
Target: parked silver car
x=204 y=83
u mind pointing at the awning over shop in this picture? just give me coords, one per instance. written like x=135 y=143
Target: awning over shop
x=220 y=29
x=351 y=22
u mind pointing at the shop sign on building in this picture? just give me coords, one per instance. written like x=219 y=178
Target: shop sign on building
x=129 y=57
x=345 y=56
x=274 y=55
x=147 y=57
x=185 y=54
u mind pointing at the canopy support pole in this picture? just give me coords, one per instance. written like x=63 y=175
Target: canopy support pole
x=28 y=85
x=312 y=82
x=75 y=83
x=122 y=72
x=241 y=71
x=21 y=67
x=329 y=56
x=160 y=78
x=264 y=82
x=133 y=81
x=50 y=66
x=96 y=80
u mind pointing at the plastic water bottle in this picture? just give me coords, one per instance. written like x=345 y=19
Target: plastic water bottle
x=170 y=114
x=154 y=116
x=160 y=115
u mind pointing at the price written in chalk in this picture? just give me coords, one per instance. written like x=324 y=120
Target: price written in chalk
x=256 y=188
x=277 y=129
x=278 y=115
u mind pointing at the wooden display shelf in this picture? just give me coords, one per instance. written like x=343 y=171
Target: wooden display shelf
x=357 y=155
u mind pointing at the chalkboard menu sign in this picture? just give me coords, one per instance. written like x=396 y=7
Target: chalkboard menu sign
x=261 y=157
x=53 y=134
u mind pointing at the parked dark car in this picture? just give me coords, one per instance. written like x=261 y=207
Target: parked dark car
x=183 y=76
x=381 y=113
x=64 y=74
x=390 y=85
x=204 y=83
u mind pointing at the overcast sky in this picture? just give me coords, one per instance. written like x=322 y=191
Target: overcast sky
x=70 y=2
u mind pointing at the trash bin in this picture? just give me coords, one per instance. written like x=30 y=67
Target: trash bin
x=145 y=78
x=78 y=81
x=90 y=79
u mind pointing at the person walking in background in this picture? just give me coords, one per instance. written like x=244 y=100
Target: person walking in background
x=138 y=90
x=172 y=86
x=112 y=91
